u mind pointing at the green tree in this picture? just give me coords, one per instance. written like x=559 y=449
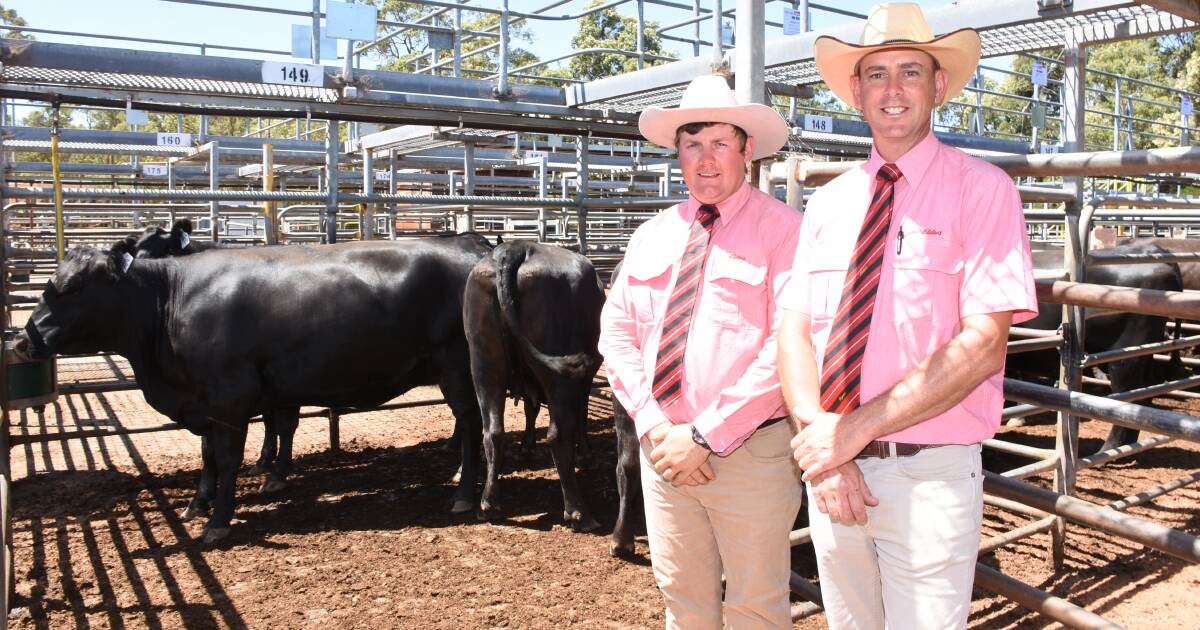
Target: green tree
x=10 y=18
x=610 y=29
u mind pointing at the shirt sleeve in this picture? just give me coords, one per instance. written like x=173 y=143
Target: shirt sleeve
x=795 y=295
x=997 y=266
x=739 y=409
x=621 y=347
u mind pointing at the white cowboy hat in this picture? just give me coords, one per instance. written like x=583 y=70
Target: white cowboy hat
x=709 y=99
x=897 y=25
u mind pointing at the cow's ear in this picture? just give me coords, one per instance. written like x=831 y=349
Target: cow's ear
x=181 y=232
x=182 y=225
x=120 y=257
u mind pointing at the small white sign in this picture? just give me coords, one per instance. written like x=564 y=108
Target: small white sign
x=1185 y=105
x=792 y=24
x=302 y=43
x=154 y=170
x=554 y=141
x=823 y=124
x=1038 y=74
x=293 y=73
x=174 y=139
x=345 y=20
x=136 y=117
x=535 y=155
x=1051 y=148
x=383 y=176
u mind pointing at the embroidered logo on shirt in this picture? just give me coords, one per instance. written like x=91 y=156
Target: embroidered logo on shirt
x=931 y=232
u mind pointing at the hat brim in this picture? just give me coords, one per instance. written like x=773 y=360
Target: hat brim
x=765 y=125
x=956 y=52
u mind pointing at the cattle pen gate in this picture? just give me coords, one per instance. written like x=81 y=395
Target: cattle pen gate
x=563 y=164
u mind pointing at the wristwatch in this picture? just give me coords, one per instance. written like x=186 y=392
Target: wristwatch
x=699 y=439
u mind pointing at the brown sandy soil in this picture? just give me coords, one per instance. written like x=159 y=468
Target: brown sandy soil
x=364 y=538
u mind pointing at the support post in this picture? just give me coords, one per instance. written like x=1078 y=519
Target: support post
x=392 y=190
x=718 y=53
x=542 y=193
x=316 y=33
x=331 y=180
x=582 y=146
x=468 y=216
x=366 y=214
x=214 y=184
x=60 y=238
x=335 y=431
x=270 y=218
x=795 y=188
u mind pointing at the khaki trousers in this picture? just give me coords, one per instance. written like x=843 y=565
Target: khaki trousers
x=912 y=565
x=738 y=525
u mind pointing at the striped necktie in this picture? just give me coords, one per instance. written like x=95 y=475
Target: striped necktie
x=842 y=368
x=668 y=369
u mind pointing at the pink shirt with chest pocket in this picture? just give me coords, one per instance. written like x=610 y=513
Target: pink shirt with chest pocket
x=957 y=246
x=730 y=383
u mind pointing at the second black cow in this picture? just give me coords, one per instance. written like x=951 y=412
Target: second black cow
x=532 y=320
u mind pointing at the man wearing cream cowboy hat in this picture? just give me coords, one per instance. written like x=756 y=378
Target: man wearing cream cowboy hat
x=688 y=338
x=908 y=273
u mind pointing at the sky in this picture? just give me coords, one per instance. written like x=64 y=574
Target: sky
x=198 y=24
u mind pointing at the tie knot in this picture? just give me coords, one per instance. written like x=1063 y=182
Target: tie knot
x=707 y=210
x=890 y=172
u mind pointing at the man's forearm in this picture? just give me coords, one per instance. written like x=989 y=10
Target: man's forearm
x=798 y=368
x=939 y=382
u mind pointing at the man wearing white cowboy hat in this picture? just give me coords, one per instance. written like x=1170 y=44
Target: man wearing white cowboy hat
x=908 y=273
x=688 y=337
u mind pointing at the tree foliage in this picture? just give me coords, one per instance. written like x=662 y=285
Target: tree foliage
x=9 y=17
x=610 y=29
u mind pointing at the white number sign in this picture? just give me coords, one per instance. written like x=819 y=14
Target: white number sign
x=154 y=170
x=823 y=124
x=292 y=73
x=1038 y=74
x=174 y=139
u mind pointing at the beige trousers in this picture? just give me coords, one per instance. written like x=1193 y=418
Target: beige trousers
x=736 y=525
x=912 y=565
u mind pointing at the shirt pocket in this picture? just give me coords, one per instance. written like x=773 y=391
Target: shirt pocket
x=647 y=282
x=825 y=282
x=925 y=283
x=736 y=291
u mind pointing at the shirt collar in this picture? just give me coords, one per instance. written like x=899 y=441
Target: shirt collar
x=726 y=210
x=913 y=164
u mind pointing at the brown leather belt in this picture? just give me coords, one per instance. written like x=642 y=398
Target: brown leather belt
x=884 y=450
x=770 y=422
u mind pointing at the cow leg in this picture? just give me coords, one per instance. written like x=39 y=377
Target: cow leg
x=491 y=406
x=266 y=455
x=201 y=503
x=229 y=442
x=529 y=437
x=1124 y=376
x=629 y=482
x=584 y=457
x=286 y=420
x=564 y=412
x=460 y=396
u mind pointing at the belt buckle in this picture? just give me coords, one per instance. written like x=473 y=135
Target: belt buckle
x=891 y=449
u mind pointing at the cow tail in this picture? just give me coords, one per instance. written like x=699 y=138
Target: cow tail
x=508 y=264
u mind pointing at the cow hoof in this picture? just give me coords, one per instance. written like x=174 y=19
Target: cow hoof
x=620 y=549
x=213 y=534
x=272 y=485
x=461 y=506
x=193 y=512
x=487 y=512
x=580 y=523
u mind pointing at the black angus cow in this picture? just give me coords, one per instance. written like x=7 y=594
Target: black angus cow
x=629 y=472
x=532 y=320
x=1107 y=331
x=215 y=339
x=279 y=425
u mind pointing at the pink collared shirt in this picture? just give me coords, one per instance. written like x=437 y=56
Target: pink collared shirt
x=956 y=247
x=730 y=384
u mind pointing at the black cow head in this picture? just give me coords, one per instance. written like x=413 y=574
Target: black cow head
x=156 y=242
x=79 y=304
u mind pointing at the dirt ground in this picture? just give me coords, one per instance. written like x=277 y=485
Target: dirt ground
x=364 y=538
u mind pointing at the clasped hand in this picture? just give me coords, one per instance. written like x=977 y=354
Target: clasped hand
x=677 y=458
x=825 y=451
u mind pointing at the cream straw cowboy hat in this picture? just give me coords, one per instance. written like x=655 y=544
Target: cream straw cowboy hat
x=709 y=99
x=897 y=25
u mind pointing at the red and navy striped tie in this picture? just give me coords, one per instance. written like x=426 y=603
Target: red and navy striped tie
x=842 y=368
x=668 y=369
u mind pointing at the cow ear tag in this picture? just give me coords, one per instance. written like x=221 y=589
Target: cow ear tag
x=126 y=261
x=184 y=240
